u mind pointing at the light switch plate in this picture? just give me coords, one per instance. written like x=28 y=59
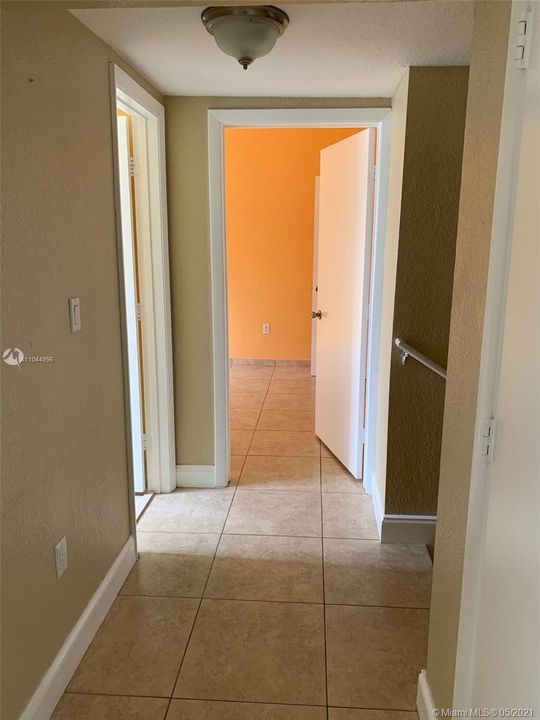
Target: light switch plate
x=60 y=557
x=74 y=314
x=266 y=328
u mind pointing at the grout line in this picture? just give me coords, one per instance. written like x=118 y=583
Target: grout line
x=254 y=534
x=279 y=602
x=251 y=702
x=239 y=702
x=324 y=592
x=200 y=602
x=255 y=430
x=213 y=559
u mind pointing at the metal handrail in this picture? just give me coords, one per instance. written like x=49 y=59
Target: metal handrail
x=408 y=351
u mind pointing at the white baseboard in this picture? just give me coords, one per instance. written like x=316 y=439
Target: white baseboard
x=196 y=476
x=57 y=677
x=408 y=529
x=424 y=699
x=239 y=362
x=378 y=506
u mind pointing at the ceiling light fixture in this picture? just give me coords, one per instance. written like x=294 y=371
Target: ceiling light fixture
x=245 y=33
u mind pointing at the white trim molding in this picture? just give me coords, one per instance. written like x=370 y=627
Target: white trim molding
x=424 y=699
x=378 y=504
x=218 y=120
x=196 y=476
x=57 y=677
x=408 y=529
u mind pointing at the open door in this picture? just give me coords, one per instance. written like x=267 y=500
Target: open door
x=132 y=322
x=346 y=190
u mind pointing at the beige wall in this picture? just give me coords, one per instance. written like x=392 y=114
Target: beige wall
x=64 y=443
x=482 y=130
x=423 y=296
x=187 y=178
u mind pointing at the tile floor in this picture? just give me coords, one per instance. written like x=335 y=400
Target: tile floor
x=268 y=600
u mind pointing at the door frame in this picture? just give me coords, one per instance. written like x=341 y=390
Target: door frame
x=155 y=285
x=218 y=120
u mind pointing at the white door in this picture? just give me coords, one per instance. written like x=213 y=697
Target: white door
x=345 y=233
x=134 y=370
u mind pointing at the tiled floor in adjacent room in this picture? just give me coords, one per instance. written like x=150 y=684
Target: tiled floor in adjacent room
x=268 y=600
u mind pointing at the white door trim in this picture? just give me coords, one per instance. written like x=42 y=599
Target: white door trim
x=218 y=120
x=156 y=296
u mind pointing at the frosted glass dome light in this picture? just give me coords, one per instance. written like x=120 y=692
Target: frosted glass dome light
x=245 y=33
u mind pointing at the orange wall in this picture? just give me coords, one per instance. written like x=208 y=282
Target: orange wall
x=270 y=185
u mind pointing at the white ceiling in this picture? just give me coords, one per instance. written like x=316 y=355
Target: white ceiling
x=335 y=50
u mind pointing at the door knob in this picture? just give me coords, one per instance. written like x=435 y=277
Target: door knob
x=317 y=314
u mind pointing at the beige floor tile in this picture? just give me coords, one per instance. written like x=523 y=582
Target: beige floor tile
x=291 y=373
x=348 y=515
x=303 y=420
x=240 y=441
x=296 y=386
x=285 y=443
x=374 y=656
x=109 y=707
x=336 y=477
x=251 y=371
x=255 y=651
x=281 y=473
x=275 y=513
x=246 y=400
x=236 y=465
x=208 y=710
x=249 y=384
x=138 y=649
x=351 y=714
x=304 y=403
x=171 y=564
x=325 y=452
x=366 y=572
x=188 y=510
x=245 y=419
x=267 y=568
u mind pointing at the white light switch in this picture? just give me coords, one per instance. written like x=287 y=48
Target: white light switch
x=266 y=328
x=74 y=314
x=60 y=556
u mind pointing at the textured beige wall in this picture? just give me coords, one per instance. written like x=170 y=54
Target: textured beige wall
x=482 y=130
x=395 y=183
x=187 y=178
x=63 y=432
x=423 y=298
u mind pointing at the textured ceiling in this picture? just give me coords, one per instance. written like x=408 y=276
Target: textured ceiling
x=334 y=50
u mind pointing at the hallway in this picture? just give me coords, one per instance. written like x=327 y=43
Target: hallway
x=268 y=600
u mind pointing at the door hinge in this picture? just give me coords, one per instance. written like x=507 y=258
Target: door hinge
x=487 y=448
x=138 y=311
x=133 y=167
x=146 y=441
x=523 y=40
x=373 y=173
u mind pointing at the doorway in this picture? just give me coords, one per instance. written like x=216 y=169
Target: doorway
x=270 y=178
x=138 y=129
x=355 y=120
